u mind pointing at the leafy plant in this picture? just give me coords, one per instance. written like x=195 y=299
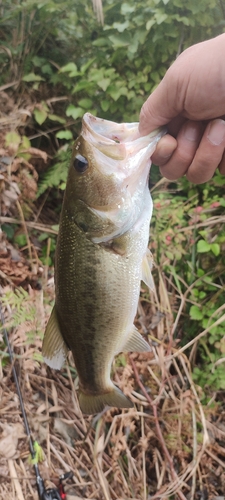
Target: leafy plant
x=188 y=241
x=56 y=175
x=23 y=312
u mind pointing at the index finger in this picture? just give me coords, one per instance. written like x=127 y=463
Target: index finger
x=161 y=106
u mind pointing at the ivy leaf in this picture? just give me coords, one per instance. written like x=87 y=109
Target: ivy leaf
x=85 y=103
x=105 y=105
x=115 y=92
x=215 y=248
x=12 y=138
x=74 y=112
x=149 y=24
x=64 y=134
x=126 y=8
x=69 y=68
x=121 y=26
x=160 y=17
x=203 y=246
x=104 y=83
x=196 y=313
x=56 y=118
x=122 y=40
x=40 y=115
x=31 y=77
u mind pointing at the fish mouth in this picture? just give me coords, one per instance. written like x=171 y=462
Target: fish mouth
x=111 y=131
x=117 y=141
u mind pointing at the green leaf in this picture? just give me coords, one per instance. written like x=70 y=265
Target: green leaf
x=160 y=17
x=40 y=115
x=12 y=138
x=121 y=26
x=68 y=68
x=83 y=85
x=126 y=8
x=215 y=249
x=64 y=134
x=25 y=142
x=56 y=118
x=85 y=103
x=195 y=313
x=20 y=239
x=149 y=24
x=105 y=105
x=203 y=246
x=74 y=111
x=170 y=255
x=122 y=40
x=31 y=77
x=116 y=92
x=86 y=65
x=104 y=83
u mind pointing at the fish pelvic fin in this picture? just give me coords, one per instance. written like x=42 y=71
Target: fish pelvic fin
x=135 y=343
x=91 y=403
x=54 y=349
x=147 y=270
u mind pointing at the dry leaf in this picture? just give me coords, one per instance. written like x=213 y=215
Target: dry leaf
x=67 y=432
x=9 y=440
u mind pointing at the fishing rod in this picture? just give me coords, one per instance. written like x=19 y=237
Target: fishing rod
x=43 y=493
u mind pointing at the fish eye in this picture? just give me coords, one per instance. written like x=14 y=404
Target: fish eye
x=80 y=164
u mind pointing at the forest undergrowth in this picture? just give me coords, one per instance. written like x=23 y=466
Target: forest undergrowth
x=171 y=445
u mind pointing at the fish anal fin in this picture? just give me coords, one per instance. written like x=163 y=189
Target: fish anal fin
x=54 y=349
x=91 y=404
x=147 y=263
x=136 y=343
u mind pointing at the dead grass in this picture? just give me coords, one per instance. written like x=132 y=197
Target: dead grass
x=168 y=446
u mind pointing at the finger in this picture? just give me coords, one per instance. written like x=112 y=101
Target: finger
x=187 y=144
x=161 y=106
x=209 y=153
x=164 y=150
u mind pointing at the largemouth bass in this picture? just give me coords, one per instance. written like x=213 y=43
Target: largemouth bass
x=102 y=255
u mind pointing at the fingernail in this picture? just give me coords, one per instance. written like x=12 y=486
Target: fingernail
x=216 y=133
x=191 y=132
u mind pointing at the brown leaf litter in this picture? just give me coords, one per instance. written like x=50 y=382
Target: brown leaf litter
x=167 y=446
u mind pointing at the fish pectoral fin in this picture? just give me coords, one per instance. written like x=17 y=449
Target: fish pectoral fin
x=136 y=343
x=91 y=404
x=54 y=349
x=147 y=263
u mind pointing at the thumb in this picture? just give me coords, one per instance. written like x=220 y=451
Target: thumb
x=161 y=106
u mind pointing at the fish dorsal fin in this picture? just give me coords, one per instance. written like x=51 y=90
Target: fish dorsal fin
x=54 y=349
x=147 y=270
x=135 y=343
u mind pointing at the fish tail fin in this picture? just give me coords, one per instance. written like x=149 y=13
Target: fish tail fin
x=91 y=404
x=54 y=349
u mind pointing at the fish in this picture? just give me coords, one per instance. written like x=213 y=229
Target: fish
x=101 y=257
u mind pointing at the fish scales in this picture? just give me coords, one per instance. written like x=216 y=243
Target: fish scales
x=101 y=247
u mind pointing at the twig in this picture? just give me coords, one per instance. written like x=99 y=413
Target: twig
x=8 y=85
x=193 y=486
x=143 y=458
x=199 y=336
x=15 y=480
x=158 y=430
x=39 y=227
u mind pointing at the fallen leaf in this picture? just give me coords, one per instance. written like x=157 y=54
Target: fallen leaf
x=9 y=440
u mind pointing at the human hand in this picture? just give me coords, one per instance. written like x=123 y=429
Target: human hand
x=191 y=101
